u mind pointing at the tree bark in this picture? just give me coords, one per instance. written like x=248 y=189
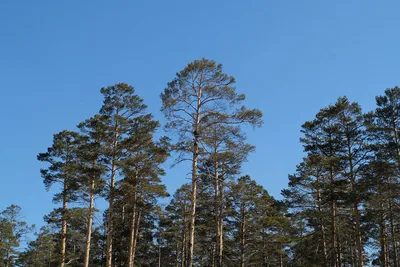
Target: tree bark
x=242 y=239
x=90 y=223
x=322 y=226
x=133 y=225
x=64 y=225
x=221 y=225
x=218 y=217
x=177 y=254
x=184 y=241
x=334 y=258
x=138 y=218
x=159 y=250
x=393 y=234
x=356 y=211
x=383 y=242
x=193 y=198
x=110 y=226
x=193 y=201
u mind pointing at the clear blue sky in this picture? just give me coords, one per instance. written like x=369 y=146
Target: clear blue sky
x=290 y=58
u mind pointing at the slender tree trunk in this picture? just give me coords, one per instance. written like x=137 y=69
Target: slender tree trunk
x=242 y=239
x=133 y=226
x=393 y=234
x=322 y=226
x=339 y=248
x=383 y=252
x=132 y=237
x=216 y=209
x=90 y=223
x=184 y=241
x=358 y=236
x=123 y=213
x=213 y=259
x=159 y=250
x=64 y=226
x=334 y=258
x=193 y=198
x=177 y=254
x=356 y=211
x=193 y=201
x=221 y=224
x=110 y=226
x=218 y=217
x=353 y=253
x=138 y=218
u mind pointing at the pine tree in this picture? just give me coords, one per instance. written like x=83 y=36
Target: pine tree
x=91 y=171
x=199 y=97
x=42 y=251
x=260 y=227
x=120 y=113
x=178 y=213
x=62 y=157
x=384 y=171
x=141 y=186
x=308 y=198
x=12 y=230
x=226 y=150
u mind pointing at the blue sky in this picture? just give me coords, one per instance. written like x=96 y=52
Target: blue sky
x=290 y=58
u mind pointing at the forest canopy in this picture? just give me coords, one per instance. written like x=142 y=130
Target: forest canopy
x=341 y=207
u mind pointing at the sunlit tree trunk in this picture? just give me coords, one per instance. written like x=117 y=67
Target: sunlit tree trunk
x=110 y=226
x=193 y=199
x=90 y=223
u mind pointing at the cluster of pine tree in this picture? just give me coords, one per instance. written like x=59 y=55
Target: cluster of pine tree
x=340 y=208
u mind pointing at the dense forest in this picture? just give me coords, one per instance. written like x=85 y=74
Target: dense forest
x=340 y=208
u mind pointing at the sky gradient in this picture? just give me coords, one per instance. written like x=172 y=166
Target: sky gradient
x=290 y=58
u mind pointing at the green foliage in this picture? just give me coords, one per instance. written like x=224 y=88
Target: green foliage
x=341 y=207
x=13 y=230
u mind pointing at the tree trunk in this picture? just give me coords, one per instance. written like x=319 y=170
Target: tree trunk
x=184 y=241
x=138 y=217
x=133 y=227
x=110 y=226
x=159 y=250
x=193 y=201
x=358 y=236
x=89 y=224
x=132 y=237
x=322 y=227
x=64 y=226
x=393 y=233
x=193 y=198
x=242 y=239
x=183 y=249
x=334 y=258
x=177 y=254
x=218 y=218
x=221 y=224
x=339 y=249
x=356 y=211
x=383 y=253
